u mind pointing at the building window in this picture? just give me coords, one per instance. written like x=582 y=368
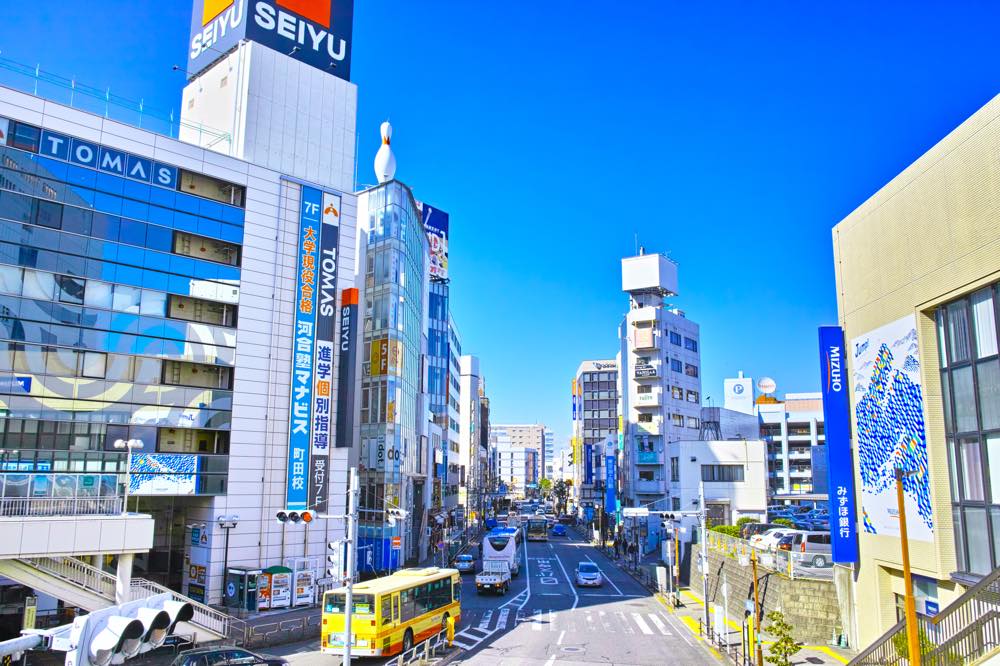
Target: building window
x=199 y=247
x=644 y=388
x=692 y=396
x=690 y=370
x=211 y=188
x=693 y=422
x=182 y=373
x=198 y=310
x=676 y=365
x=24 y=136
x=675 y=469
x=645 y=418
x=970 y=383
x=690 y=344
x=675 y=503
x=677 y=392
x=677 y=420
x=722 y=473
x=675 y=338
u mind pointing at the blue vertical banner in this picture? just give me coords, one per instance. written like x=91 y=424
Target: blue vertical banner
x=610 y=486
x=588 y=463
x=303 y=348
x=840 y=462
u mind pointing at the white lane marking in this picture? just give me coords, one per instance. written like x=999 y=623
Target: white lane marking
x=606 y=577
x=682 y=632
x=485 y=622
x=551 y=594
x=463 y=645
x=605 y=623
x=623 y=621
x=590 y=622
x=536 y=620
x=643 y=627
x=562 y=635
x=551 y=661
x=552 y=621
x=502 y=619
x=659 y=623
x=572 y=587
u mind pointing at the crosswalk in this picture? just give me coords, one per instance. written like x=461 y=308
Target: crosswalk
x=585 y=620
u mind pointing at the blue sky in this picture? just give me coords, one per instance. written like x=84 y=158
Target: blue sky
x=732 y=135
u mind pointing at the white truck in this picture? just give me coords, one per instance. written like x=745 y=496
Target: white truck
x=495 y=577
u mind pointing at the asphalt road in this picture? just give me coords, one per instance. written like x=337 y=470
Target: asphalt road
x=545 y=619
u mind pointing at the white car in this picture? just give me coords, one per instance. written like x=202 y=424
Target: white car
x=769 y=539
x=588 y=575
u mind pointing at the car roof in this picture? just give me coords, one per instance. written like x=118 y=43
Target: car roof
x=464 y=556
x=588 y=565
x=217 y=648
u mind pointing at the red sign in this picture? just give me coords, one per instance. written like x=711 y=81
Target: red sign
x=397 y=543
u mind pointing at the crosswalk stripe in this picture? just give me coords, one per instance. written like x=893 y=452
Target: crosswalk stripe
x=643 y=627
x=608 y=627
x=485 y=622
x=590 y=622
x=624 y=622
x=552 y=620
x=463 y=645
x=659 y=624
x=536 y=620
x=502 y=620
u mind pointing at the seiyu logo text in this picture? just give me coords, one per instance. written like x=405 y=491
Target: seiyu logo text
x=833 y=362
x=216 y=25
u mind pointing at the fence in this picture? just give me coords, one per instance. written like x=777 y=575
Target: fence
x=793 y=564
x=738 y=646
x=425 y=652
x=962 y=633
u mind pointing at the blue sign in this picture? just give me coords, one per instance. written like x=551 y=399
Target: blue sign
x=317 y=32
x=588 y=463
x=840 y=465
x=303 y=347
x=588 y=513
x=610 y=485
x=96 y=156
x=931 y=608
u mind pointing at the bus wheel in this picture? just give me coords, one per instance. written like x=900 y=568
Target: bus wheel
x=408 y=640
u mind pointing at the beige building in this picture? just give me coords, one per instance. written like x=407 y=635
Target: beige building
x=917 y=271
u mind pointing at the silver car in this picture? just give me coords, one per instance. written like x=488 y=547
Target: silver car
x=588 y=575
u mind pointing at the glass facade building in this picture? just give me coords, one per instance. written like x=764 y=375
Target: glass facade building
x=119 y=298
x=395 y=251
x=970 y=383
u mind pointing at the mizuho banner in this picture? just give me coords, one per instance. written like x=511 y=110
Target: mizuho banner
x=840 y=464
x=303 y=351
x=326 y=314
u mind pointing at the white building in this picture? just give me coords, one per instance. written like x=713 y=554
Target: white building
x=793 y=430
x=530 y=436
x=660 y=368
x=470 y=451
x=548 y=454
x=595 y=416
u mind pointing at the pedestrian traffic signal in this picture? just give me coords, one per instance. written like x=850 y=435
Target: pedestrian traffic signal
x=294 y=517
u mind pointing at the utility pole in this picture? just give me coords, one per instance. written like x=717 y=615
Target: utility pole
x=758 y=654
x=704 y=549
x=352 y=563
x=912 y=636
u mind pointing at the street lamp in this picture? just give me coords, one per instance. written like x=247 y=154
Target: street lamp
x=227 y=523
x=128 y=445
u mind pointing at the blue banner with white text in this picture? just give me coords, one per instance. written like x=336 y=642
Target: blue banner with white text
x=840 y=462
x=610 y=486
x=588 y=463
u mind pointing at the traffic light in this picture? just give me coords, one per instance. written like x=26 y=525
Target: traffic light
x=295 y=517
x=112 y=635
x=392 y=515
x=667 y=519
x=338 y=561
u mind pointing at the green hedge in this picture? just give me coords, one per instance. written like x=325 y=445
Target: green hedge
x=745 y=520
x=783 y=521
x=729 y=530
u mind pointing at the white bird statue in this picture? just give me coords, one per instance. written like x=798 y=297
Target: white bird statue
x=385 y=161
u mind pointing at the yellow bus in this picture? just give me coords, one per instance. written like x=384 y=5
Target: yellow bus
x=392 y=613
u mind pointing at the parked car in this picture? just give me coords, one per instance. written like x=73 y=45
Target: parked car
x=225 y=656
x=752 y=529
x=769 y=539
x=465 y=563
x=588 y=575
x=559 y=530
x=808 y=548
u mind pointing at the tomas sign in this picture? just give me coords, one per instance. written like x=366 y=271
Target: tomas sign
x=316 y=32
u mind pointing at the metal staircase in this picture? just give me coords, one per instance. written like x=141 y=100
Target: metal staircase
x=84 y=586
x=966 y=632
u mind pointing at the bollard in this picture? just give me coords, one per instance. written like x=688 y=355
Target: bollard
x=451 y=631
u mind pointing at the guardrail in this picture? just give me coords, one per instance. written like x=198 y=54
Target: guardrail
x=205 y=617
x=78 y=573
x=424 y=652
x=964 y=632
x=60 y=506
x=793 y=564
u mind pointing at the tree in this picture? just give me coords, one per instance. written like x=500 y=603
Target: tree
x=545 y=486
x=783 y=521
x=784 y=646
x=561 y=492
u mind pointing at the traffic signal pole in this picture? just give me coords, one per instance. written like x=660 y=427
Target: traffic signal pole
x=352 y=561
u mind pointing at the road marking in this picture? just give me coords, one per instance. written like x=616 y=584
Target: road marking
x=485 y=622
x=536 y=620
x=502 y=619
x=590 y=622
x=562 y=635
x=605 y=623
x=552 y=620
x=551 y=661
x=643 y=627
x=659 y=623
x=550 y=594
x=572 y=587
x=624 y=622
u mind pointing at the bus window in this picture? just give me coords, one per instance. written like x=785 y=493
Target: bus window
x=456 y=589
x=395 y=608
x=387 y=609
x=364 y=604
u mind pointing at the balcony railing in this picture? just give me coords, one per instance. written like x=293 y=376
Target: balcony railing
x=793 y=564
x=60 y=506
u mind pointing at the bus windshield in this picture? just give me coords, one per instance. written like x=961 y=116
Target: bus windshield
x=363 y=604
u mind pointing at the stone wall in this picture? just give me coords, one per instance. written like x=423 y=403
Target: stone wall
x=810 y=606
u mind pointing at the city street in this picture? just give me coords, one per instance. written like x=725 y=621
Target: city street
x=547 y=619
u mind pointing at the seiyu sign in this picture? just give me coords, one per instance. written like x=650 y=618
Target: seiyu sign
x=316 y=32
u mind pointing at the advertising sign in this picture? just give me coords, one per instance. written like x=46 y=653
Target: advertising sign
x=588 y=463
x=889 y=416
x=645 y=370
x=303 y=350
x=316 y=32
x=326 y=315
x=840 y=465
x=610 y=485
x=163 y=474
x=348 y=342
x=85 y=153
x=436 y=226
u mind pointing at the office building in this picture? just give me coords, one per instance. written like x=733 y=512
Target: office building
x=532 y=437
x=595 y=417
x=918 y=266
x=473 y=434
x=660 y=365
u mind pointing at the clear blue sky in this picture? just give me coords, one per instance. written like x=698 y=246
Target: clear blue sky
x=732 y=135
